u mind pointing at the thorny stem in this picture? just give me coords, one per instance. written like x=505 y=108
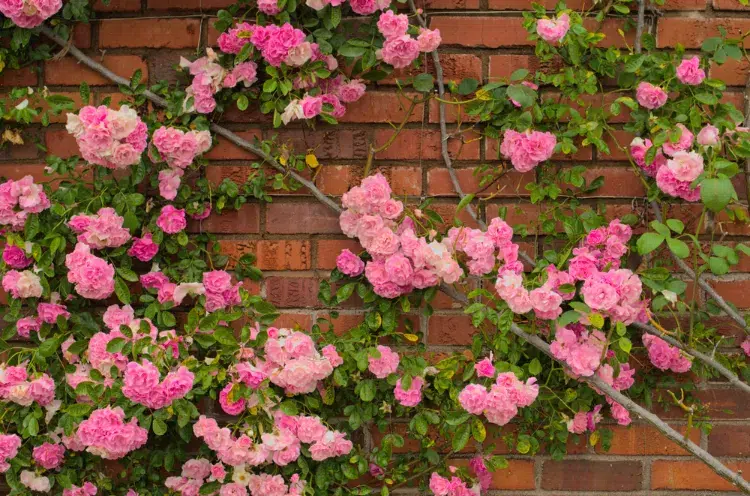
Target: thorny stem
x=533 y=340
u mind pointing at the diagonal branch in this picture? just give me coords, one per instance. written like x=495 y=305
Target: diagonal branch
x=701 y=280
x=706 y=359
x=630 y=405
x=535 y=341
x=220 y=130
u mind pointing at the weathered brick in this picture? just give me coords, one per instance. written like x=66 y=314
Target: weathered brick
x=154 y=33
x=450 y=329
x=25 y=76
x=226 y=150
x=292 y=292
x=691 y=475
x=416 y=144
x=383 y=107
x=691 y=31
x=481 y=32
x=188 y=4
x=513 y=183
x=642 y=440
x=309 y=218
x=590 y=475
x=329 y=249
x=729 y=440
x=118 y=6
x=246 y=220
x=69 y=72
x=287 y=254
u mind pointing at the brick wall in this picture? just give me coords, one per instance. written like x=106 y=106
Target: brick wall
x=297 y=239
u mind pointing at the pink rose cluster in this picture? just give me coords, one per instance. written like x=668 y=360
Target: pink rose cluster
x=141 y=385
x=87 y=489
x=102 y=230
x=501 y=403
x=24 y=284
x=442 y=486
x=209 y=77
x=114 y=317
x=553 y=30
x=292 y=362
x=336 y=92
x=196 y=472
x=219 y=291
x=279 y=44
x=384 y=365
x=281 y=446
x=675 y=167
x=9 y=444
x=114 y=139
x=16 y=387
x=36 y=483
x=528 y=149
x=29 y=13
x=400 y=49
x=20 y=198
x=47 y=313
x=49 y=455
x=411 y=396
x=585 y=421
x=106 y=434
x=178 y=149
x=615 y=294
x=546 y=300
x=94 y=277
x=580 y=349
x=665 y=356
x=171 y=219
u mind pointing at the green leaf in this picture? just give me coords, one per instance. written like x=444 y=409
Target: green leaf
x=85 y=92
x=519 y=75
x=242 y=101
x=116 y=345
x=224 y=335
x=716 y=193
x=718 y=266
x=535 y=367
x=352 y=51
x=649 y=242
x=159 y=427
x=467 y=86
x=424 y=83
x=367 y=391
x=461 y=437
x=678 y=247
x=707 y=98
x=122 y=291
x=127 y=274
x=625 y=344
x=676 y=225
x=523 y=95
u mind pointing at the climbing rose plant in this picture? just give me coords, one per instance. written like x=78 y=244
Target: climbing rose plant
x=136 y=361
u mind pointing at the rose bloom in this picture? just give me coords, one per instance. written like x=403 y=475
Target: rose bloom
x=49 y=456
x=349 y=263
x=686 y=166
x=428 y=39
x=171 y=220
x=650 y=96
x=708 y=136
x=553 y=30
x=400 y=51
x=689 y=71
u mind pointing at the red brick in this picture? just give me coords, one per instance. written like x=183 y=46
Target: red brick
x=684 y=5
x=329 y=249
x=301 y=218
x=481 y=32
x=690 y=32
x=25 y=76
x=524 y=4
x=292 y=292
x=618 y=182
x=519 y=475
x=18 y=171
x=68 y=72
x=416 y=144
x=404 y=180
x=691 y=475
x=734 y=291
x=450 y=329
x=383 y=107
x=331 y=143
x=449 y=4
x=642 y=440
x=294 y=320
x=82 y=35
x=610 y=29
x=149 y=33
x=729 y=5
x=287 y=254
x=513 y=183
x=246 y=220
x=621 y=139
x=61 y=143
x=334 y=179
x=590 y=475
x=342 y=323
x=729 y=440
x=732 y=72
x=456 y=66
x=225 y=150
x=188 y=4
x=118 y=6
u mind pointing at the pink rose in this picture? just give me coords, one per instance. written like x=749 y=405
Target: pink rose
x=16 y=258
x=400 y=51
x=171 y=220
x=49 y=456
x=392 y=25
x=144 y=249
x=349 y=263
x=351 y=91
x=650 y=96
x=686 y=166
x=689 y=71
x=709 y=136
x=553 y=30
x=428 y=39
